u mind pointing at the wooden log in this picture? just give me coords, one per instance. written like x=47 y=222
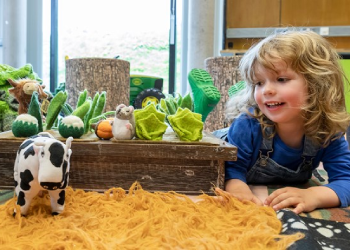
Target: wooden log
x=98 y=74
x=224 y=71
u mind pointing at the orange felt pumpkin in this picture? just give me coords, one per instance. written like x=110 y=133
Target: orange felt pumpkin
x=103 y=130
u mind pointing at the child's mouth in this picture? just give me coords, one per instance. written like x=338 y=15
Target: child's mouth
x=274 y=104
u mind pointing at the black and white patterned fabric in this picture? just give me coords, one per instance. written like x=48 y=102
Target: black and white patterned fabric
x=319 y=234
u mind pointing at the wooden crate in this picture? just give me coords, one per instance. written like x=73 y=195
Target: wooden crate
x=167 y=165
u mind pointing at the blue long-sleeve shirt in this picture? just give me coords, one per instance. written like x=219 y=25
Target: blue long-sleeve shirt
x=246 y=134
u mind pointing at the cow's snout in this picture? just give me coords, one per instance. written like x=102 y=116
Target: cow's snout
x=50 y=185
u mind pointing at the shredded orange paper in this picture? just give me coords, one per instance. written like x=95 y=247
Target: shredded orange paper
x=142 y=220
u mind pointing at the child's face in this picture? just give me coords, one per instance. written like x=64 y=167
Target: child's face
x=280 y=94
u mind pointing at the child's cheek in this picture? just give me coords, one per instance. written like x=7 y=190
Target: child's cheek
x=257 y=96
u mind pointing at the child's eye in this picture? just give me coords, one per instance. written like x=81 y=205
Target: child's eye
x=257 y=83
x=281 y=79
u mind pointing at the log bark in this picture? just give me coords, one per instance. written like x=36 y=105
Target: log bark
x=225 y=73
x=99 y=74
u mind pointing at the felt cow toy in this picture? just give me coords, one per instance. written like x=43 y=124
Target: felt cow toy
x=42 y=163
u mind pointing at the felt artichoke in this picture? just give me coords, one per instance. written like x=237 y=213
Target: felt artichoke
x=187 y=125
x=150 y=123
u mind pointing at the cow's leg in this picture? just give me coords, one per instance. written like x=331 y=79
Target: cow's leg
x=26 y=190
x=57 y=198
x=24 y=198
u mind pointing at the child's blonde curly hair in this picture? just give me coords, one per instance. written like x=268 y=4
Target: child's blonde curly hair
x=316 y=60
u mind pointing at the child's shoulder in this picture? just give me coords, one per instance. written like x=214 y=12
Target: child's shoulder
x=245 y=129
x=245 y=118
x=246 y=123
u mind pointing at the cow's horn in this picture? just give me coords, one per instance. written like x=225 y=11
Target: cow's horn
x=12 y=82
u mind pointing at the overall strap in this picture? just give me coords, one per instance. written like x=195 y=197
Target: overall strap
x=310 y=150
x=266 y=144
x=266 y=147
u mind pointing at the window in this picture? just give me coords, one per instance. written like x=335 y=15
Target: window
x=135 y=30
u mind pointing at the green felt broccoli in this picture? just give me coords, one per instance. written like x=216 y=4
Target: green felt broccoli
x=25 y=125
x=71 y=126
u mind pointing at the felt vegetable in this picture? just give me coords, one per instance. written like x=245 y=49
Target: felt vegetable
x=171 y=105
x=54 y=108
x=25 y=125
x=103 y=129
x=82 y=98
x=34 y=110
x=179 y=100
x=187 y=102
x=89 y=114
x=150 y=123
x=82 y=110
x=24 y=72
x=100 y=104
x=163 y=106
x=108 y=115
x=66 y=109
x=187 y=125
x=5 y=67
x=71 y=126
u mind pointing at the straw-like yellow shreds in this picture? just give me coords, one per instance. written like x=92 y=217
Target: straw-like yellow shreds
x=142 y=220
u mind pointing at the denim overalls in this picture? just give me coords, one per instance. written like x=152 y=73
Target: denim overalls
x=267 y=171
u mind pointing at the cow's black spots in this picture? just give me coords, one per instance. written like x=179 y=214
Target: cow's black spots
x=65 y=181
x=64 y=167
x=62 y=197
x=56 y=154
x=24 y=145
x=20 y=199
x=29 y=151
x=16 y=183
x=26 y=177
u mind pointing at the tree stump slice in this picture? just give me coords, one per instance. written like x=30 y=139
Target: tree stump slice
x=97 y=75
x=225 y=73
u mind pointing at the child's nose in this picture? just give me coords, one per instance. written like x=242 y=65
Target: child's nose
x=268 y=88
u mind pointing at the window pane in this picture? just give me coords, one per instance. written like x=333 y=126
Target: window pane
x=135 y=30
